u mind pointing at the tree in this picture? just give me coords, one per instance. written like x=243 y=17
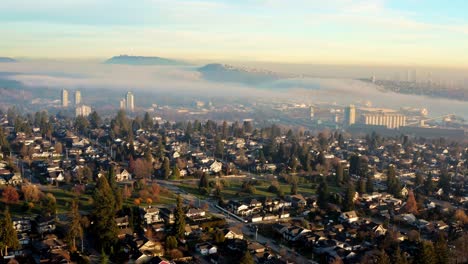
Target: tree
x=171 y=242
x=323 y=194
x=8 y=236
x=10 y=194
x=175 y=172
x=411 y=205
x=425 y=253
x=95 y=120
x=219 y=236
x=294 y=188
x=166 y=168
x=247 y=258
x=441 y=249
x=204 y=182
x=362 y=186
x=50 y=205
x=58 y=148
x=179 y=221
x=75 y=229
x=348 y=203
x=399 y=257
x=429 y=184
x=104 y=226
x=383 y=257
x=31 y=193
x=370 y=183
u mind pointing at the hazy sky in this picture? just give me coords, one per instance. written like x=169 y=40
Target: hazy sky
x=401 y=32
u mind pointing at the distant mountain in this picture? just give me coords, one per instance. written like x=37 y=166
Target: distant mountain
x=6 y=59
x=141 y=60
x=228 y=73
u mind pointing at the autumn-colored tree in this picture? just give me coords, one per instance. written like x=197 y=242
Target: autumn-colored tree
x=143 y=169
x=176 y=254
x=461 y=216
x=31 y=193
x=411 y=205
x=58 y=148
x=10 y=194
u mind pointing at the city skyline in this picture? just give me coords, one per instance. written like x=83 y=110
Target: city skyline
x=427 y=33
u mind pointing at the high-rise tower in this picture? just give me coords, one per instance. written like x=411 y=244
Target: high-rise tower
x=64 y=98
x=350 y=115
x=77 y=97
x=130 y=102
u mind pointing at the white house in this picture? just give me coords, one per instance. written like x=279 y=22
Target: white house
x=349 y=217
x=124 y=175
x=206 y=249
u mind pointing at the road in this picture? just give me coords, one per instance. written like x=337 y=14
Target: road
x=232 y=222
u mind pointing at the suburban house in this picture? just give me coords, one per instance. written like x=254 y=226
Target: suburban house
x=206 y=248
x=123 y=175
x=349 y=217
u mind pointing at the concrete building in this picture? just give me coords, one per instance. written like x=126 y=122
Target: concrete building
x=77 y=97
x=350 y=115
x=130 y=101
x=83 y=110
x=389 y=120
x=64 y=98
x=123 y=104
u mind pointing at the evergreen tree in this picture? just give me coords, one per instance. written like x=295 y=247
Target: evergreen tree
x=370 y=183
x=179 y=221
x=95 y=120
x=247 y=258
x=348 y=203
x=362 y=186
x=8 y=236
x=425 y=254
x=166 y=168
x=74 y=229
x=294 y=188
x=339 y=174
x=204 y=182
x=323 y=194
x=105 y=227
x=429 y=184
x=175 y=172
x=384 y=258
x=441 y=249
x=399 y=257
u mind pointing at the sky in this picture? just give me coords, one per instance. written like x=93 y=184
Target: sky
x=366 y=32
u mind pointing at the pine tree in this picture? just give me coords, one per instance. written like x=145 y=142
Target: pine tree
x=8 y=236
x=294 y=188
x=74 y=229
x=441 y=249
x=362 y=185
x=247 y=258
x=323 y=194
x=179 y=221
x=175 y=172
x=399 y=257
x=370 y=183
x=425 y=254
x=166 y=168
x=383 y=257
x=348 y=203
x=105 y=227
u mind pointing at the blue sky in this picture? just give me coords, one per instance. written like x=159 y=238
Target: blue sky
x=401 y=32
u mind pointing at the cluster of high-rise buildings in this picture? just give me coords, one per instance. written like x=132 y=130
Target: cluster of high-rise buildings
x=80 y=109
x=128 y=103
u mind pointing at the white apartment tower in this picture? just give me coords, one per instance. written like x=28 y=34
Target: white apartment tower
x=130 y=102
x=77 y=97
x=64 y=98
x=350 y=115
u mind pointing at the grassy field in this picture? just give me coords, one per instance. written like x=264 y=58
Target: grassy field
x=233 y=189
